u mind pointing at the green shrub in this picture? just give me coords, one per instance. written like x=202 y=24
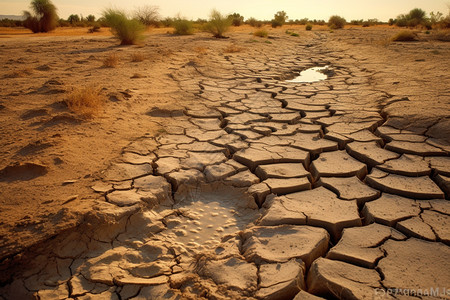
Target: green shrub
x=254 y=23
x=128 y=31
x=279 y=19
x=294 y=34
x=404 y=36
x=217 y=24
x=261 y=33
x=44 y=19
x=336 y=22
x=236 y=19
x=308 y=27
x=182 y=26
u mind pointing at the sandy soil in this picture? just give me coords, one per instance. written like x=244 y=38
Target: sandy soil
x=50 y=157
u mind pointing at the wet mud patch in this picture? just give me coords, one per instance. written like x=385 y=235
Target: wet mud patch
x=22 y=172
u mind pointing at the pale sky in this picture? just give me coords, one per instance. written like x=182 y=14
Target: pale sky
x=260 y=9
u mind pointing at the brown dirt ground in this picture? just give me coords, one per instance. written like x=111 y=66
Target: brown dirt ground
x=38 y=70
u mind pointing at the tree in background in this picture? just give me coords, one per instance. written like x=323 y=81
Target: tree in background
x=44 y=17
x=236 y=19
x=73 y=19
x=336 y=22
x=279 y=19
x=148 y=15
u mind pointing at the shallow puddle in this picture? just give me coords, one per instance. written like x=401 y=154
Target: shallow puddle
x=310 y=75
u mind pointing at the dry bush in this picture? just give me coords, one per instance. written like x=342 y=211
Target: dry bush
x=336 y=22
x=128 y=31
x=232 y=48
x=261 y=33
x=111 y=61
x=137 y=57
x=404 y=36
x=182 y=26
x=86 y=102
x=441 y=35
x=218 y=24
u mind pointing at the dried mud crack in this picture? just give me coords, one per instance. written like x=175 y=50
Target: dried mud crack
x=265 y=189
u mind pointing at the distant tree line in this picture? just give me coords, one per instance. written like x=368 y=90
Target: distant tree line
x=43 y=17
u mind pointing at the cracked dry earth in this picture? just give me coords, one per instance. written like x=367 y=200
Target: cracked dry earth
x=265 y=189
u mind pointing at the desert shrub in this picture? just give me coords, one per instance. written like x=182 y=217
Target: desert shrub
x=415 y=18
x=217 y=24
x=182 y=26
x=111 y=61
x=128 y=31
x=94 y=28
x=137 y=57
x=148 y=15
x=236 y=19
x=404 y=36
x=294 y=34
x=254 y=22
x=261 y=33
x=308 y=27
x=44 y=17
x=336 y=22
x=86 y=102
x=279 y=19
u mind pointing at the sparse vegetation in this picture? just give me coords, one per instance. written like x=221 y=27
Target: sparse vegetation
x=308 y=27
x=261 y=33
x=254 y=22
x=44 y=17
x=336 y=22
x=217 y=24
x=279 y=19
x=148 y=15
x=137 y=57
x=111 y=61
x=86 y=102
x=404 y=36
x=236 y=19
x=128 y=31
x=182 y=26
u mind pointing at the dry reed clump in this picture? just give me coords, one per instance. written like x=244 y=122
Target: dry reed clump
x=404 y=36
x=137 y=57
x=261 y=33
x=111 y=61
x=232 y=48
x=86 y=101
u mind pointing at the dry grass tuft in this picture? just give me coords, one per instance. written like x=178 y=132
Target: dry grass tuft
x=201 y=50
x=111 y=61
x=232 y=48
x=137 y=57
x=86 y=102
x=404 y=36
x=261 y=33
x=441 y=35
